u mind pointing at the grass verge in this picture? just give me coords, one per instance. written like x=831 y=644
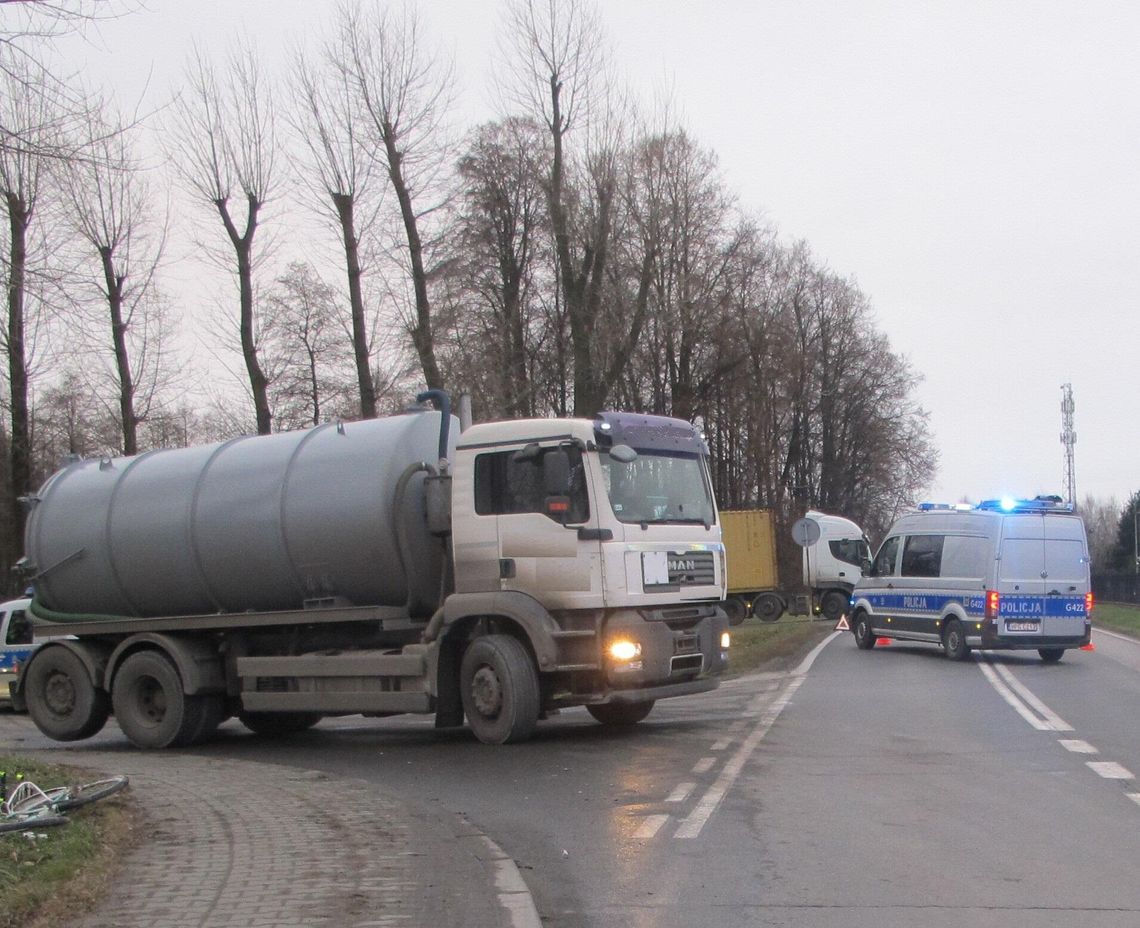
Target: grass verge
x=778 y=645
x=55 y=876
x=1119 y=617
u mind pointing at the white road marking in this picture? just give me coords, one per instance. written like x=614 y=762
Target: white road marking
x=1077 y=747
x=650 y=826
x=681 y=793
x=721 y=744
x=704 y=765
x=1010 y=697
x=1135 y=797
x=1109 y=769
x=1056 y=723
x=691 y=826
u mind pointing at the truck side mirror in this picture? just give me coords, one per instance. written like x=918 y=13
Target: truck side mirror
x=865 y=566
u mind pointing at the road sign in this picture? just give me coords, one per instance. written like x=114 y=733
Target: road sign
x=805 y=532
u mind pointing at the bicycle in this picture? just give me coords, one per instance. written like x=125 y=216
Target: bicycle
x=29 y=806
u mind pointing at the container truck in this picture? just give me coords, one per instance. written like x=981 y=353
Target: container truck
x=831 y=566
x=378 y=567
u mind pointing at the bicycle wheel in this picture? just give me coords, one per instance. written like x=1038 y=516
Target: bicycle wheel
x=28 y=822
x=90 y=792
x=27 y=798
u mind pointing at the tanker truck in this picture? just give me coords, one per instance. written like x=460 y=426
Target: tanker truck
x=378 y=567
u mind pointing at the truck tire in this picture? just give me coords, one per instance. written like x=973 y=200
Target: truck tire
x=833 y=605
x=150 y=704
x=736 y=609
x=621 y=713
x=499 y=686
x=278 y=723
x=768 y=607
x=62 y=699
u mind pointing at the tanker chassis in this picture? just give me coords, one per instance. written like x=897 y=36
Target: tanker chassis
x=378 y=567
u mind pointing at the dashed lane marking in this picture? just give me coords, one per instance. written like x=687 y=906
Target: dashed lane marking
x=721 y=744
x=1135 y=797
x=704 y=765
x=650 y=825
x=1077 y=747
x=1109 y=769
x=681 y=793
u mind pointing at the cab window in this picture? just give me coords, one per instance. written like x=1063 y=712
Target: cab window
x=849 y=550
x=507 y=484
x=884 y=565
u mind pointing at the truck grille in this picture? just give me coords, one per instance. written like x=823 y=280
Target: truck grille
x=691 y=568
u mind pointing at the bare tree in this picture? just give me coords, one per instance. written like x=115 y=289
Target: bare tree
x=405 y=94
x=225 y=144
x=328 y=120
x=554 y=60
x=28 y=114
x=111 y=208
x=304 y=349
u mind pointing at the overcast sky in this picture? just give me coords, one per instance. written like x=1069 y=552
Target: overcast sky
x=975 y=166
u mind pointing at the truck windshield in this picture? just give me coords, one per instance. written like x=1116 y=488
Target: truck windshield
x=659 y=487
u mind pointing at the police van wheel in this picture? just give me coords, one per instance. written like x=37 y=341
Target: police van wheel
x=954 y=641
x=1050 y=655
x=861 y=629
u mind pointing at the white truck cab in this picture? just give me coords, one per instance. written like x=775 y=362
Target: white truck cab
x=1005 y=574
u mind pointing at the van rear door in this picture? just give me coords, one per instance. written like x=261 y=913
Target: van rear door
x=1021 y=576
x=1066 y=577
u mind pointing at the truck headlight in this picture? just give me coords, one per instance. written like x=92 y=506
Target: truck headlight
x=624 y=650
x=725 y=640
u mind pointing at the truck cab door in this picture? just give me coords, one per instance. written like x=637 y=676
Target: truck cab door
x=549 y=543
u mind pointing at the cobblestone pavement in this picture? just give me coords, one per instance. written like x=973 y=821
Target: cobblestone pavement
x=234 y=843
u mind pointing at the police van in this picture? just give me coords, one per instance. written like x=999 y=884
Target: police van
x=16 y=643
x=1004 y=574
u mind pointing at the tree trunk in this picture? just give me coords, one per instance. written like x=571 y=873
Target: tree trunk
x=122 y=358
x=345 y=204
x=20 y=442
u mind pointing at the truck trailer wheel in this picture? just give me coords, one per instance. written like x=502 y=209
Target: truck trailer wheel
x=499 y=686
x=621 y=713
x=736 y=609
x=768 y=607
x=150 y=705
x=62 y=699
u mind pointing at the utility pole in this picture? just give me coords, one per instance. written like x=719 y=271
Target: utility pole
x=1069 y=440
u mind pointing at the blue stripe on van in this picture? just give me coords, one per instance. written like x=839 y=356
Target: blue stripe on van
x=10 y=655
x=1012 y=606
x=916 y=603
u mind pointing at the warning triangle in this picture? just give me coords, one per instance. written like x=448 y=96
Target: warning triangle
x=843 y=626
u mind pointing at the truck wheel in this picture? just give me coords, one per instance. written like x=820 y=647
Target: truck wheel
x=954 y=641
x=150 y=705
x=499 y=686
x=861 y=629
x=621 y=713
x=1051 y=655
x=278 y=723
x=768 y=607
x=62 y=699
x=834 y=604
x=736 y=609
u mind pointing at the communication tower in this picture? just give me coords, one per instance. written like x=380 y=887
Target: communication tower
x=1069 y=440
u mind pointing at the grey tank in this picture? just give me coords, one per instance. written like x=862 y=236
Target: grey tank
x=256 y=523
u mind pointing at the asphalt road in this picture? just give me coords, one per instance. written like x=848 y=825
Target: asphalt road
x=883 y=788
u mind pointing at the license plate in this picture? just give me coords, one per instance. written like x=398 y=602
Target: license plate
x=1033 y=626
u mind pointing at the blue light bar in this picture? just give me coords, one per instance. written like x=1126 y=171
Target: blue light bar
x=1037 y=504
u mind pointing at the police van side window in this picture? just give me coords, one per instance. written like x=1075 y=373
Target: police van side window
x=884 y=565
x=964 y=557
x=19 y=628
x=922 y=556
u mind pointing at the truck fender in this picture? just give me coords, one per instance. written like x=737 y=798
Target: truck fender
x=198 y=663
x=525 y=611
x=93 y=656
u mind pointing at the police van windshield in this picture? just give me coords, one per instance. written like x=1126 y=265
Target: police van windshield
x=659 y=486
